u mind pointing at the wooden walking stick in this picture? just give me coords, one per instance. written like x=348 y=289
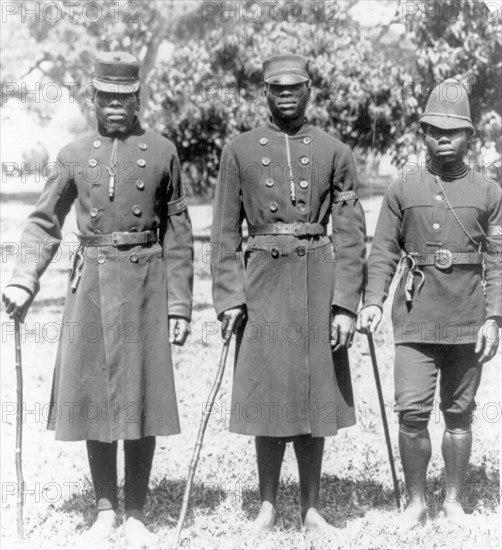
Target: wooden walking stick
x=19 y=430
x=200 y=437
x=371 y=345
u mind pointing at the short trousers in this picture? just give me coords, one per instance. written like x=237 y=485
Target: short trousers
x=415 y=379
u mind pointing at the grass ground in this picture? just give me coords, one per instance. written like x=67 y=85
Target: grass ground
x=356 y=485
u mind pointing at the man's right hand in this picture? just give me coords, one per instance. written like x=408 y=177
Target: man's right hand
x=368 y=319
x=17 y=301
x=232 y=320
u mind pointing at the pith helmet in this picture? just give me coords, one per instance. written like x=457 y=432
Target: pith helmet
x=448 y=107
x=285 y=69
x=116 y=72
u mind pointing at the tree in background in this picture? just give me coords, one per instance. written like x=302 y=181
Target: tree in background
x=459 y=39
x=201 y=62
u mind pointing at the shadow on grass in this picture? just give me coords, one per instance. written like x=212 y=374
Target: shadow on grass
x=342 y=500
x=163 y=505
x=480 y=491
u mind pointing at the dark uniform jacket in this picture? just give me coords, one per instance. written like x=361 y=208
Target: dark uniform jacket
x=287 y=381
x=451 y=306
x=114 y=376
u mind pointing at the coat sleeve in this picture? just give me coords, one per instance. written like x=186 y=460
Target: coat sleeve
x=227 y=267
x=385 y=250
x=42 y=235
x=494 y=254
x=177 y=242
x=349 y=232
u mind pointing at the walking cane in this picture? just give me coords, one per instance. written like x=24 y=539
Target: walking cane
x=202 y=430
x=19 y=430
x=371 y=345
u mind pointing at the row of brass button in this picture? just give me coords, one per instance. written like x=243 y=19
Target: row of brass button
x=274 y=252
x=132 y=258
x=97 y=144
x=306 y=140
x=136 y=210
x=269 y=182
x=140 y=162
x=302 y=207
x=266 y=161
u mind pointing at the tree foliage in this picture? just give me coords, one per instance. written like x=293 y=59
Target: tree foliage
x=460 y=39
x=202 y=72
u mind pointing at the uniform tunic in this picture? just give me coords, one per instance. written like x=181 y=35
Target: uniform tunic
x=287 y=381
x=113 y=377
x=450 y=308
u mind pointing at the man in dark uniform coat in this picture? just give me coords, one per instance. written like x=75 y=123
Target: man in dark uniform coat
x=298 y=289
x=446 y=222
x=130 y=287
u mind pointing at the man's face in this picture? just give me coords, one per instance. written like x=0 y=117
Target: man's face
x=446 y=146
x=115 y=112
x=288 y=101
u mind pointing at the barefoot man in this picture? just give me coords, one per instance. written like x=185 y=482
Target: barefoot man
x=443 y=226
x=296 y=289
x=129 y=294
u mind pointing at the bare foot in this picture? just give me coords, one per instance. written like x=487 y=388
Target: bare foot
x=137 y=535
x=412 y=517
x=265 y=521
x=102 y=528
x=454 y=512
x=316 y=524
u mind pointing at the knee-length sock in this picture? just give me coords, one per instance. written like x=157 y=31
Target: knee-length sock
x=138 y=454
x=103 y=464
x=309 y=451
x=269 y=455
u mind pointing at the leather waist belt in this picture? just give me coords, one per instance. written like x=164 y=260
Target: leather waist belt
x=118 y=238
x=299 y=229
x=444 y=259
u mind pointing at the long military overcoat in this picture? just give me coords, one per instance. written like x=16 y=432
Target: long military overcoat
x=415 y=217
x=113 y=377
x=287 y=381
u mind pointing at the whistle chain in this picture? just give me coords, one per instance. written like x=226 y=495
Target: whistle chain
x=112 y=169
x=290 y=172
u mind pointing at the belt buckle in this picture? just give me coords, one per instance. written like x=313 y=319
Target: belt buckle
x=299 y=229
x=443 y=259
x=116 y=238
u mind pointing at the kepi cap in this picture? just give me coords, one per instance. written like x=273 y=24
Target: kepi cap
x=116 y=72
x=448 y=107
x=285 y=69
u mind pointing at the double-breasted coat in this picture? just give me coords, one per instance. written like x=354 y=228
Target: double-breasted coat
x=415 y=217
x=113 y=377
x=287 y=380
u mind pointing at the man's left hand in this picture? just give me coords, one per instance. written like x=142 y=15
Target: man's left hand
x=179 y=329
x=487 y=342
x=342 y=329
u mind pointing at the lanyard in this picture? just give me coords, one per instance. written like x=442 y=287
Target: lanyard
x=112 y=169
x=290 y=172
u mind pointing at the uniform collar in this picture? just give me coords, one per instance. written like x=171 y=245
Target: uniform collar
x=274 y=128
x=136 y=130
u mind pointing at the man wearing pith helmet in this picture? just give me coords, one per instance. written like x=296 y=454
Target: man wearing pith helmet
x=129 y=291
x=443 y=227
x=292 y=292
